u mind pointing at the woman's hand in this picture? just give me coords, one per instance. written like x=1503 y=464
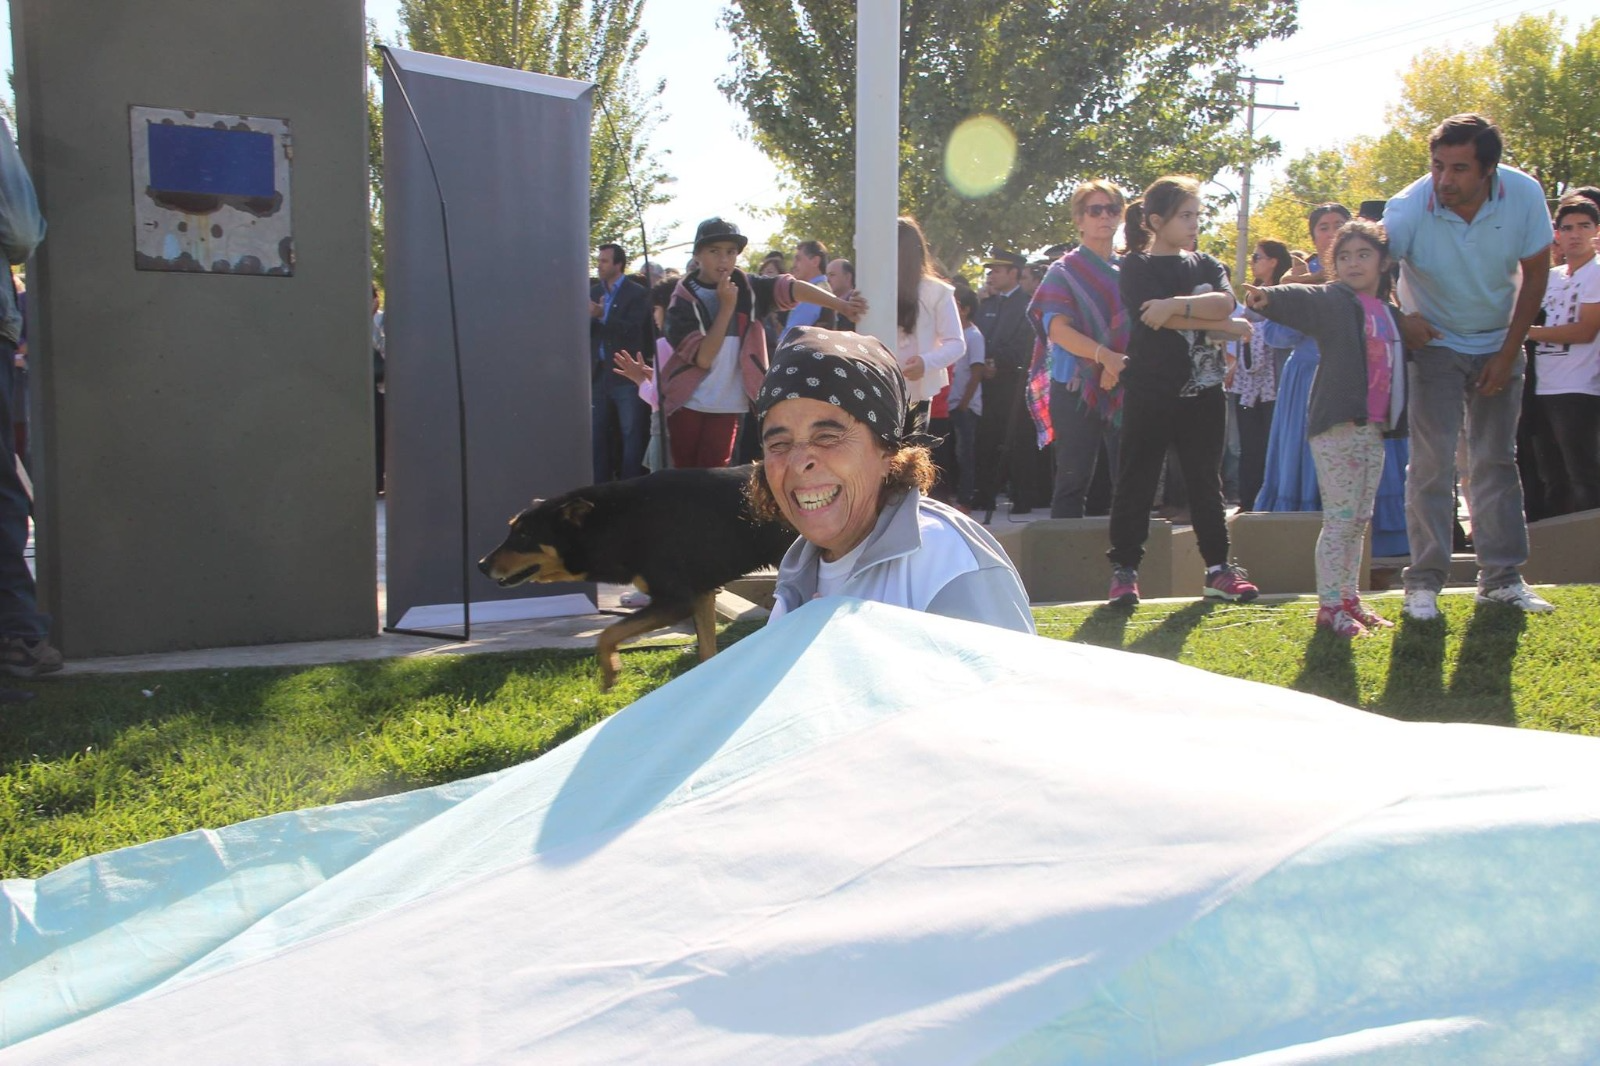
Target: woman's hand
x=1156 y=313
x=914 y=368
x=1255 y=298
x=1112 y=364
x=631 y=367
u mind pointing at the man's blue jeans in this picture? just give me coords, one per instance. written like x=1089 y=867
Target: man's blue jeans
x=19 y=608
x=1443 y=395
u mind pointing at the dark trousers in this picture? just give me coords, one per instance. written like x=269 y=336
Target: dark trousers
x=1009 y=457
x=1574 y=422
x=1080 y=436
x=1255 y=427
x=19 y=607
x=614 y=402
x=1197 y=426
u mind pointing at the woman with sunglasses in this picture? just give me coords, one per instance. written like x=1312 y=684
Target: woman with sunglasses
x=1083 y=329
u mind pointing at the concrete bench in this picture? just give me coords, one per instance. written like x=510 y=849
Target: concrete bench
x=1564 y=550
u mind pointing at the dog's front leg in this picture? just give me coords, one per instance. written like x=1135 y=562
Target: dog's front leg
x=705 y=623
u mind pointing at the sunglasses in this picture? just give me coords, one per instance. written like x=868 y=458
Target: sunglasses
x=1259 y=255
x=1102 y=210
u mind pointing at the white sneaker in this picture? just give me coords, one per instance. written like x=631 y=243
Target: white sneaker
x=1519 y=596
x=633 y=598
x=1422 y=605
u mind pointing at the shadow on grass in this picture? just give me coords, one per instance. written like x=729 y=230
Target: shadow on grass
x=1167 y=639
x=1480 y=686
x=1480 y=689
x=1104 y=627
x=1329 y=669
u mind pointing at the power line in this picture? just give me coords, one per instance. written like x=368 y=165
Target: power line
x=1428 y=36
x=1390 y=31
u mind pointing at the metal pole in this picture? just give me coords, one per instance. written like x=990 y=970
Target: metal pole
x=877 y=162
x=1239 y=275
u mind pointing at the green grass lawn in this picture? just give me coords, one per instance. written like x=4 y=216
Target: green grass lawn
x=94 y=763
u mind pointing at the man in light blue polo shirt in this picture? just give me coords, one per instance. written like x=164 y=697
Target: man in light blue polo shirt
x=1473 y=241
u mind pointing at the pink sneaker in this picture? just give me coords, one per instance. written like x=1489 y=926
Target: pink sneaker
x=1337 y=618
x=1231 y=583
x=1365 y=615
x=1124 y=587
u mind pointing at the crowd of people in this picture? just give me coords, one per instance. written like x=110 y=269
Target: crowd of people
x=1117 y=377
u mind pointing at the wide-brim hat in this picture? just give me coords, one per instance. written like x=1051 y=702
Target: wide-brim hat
x=1001 y=257
x=718 y=229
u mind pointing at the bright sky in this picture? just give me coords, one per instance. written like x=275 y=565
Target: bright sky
x=1342 y=67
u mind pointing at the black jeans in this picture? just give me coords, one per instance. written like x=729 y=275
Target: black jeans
x=19 y=608
x=1255 y=428
x=1197 y=426
x=1574 y=421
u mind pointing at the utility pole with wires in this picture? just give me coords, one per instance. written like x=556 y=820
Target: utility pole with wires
x=1240 y=277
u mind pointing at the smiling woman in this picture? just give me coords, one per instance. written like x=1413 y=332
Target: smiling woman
x=839 y=466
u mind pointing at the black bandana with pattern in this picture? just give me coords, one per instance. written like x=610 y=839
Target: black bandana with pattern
x=849 y=370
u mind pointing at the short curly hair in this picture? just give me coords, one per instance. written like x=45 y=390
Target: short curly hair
x=911 y=467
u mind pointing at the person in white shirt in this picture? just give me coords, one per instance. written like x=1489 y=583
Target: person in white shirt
x=1567 y=363
x=929 y=335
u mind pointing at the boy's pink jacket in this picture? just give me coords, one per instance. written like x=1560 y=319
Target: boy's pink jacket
x=677 y=381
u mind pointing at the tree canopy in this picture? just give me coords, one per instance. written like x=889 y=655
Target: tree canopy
x=1540 y=88
x=589 y=40
x=1124 y=89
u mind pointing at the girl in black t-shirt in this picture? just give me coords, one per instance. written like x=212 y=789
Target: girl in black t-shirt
x=1172 y=390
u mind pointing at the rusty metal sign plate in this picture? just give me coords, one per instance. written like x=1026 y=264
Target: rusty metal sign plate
x=211 y=192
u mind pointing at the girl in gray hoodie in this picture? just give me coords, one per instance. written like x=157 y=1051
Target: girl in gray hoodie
x=1357 y=399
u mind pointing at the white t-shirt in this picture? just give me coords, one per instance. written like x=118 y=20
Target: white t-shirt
x=831 y=576
x=721 y=391
x=1569 y=367
x=961 y=372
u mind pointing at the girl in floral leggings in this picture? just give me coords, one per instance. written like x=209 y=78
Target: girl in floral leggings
x=1357 y=399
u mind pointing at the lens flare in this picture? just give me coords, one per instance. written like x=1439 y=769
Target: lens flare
x=980 y=156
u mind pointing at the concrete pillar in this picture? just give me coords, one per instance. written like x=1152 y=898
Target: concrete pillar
x=204 y=456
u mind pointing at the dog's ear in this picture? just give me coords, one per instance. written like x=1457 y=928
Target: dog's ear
x=574 y=511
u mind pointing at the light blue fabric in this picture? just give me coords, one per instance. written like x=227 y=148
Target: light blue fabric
x=1462 y=276
x=1322 y=884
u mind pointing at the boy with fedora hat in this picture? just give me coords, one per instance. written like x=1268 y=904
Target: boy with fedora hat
x=719 y=349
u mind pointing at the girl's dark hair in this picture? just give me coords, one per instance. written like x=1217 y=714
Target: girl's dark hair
x=1166 y=195
x=914 y=265
x=1317 y=214
x=1363 y=230
x=1278 y=252
x=1135 y=238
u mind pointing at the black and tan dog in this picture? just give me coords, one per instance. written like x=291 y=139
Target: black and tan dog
x=678 y=535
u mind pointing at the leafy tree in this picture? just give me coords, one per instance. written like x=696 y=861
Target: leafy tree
x=1125 y=89
x=1543 y=92
x=589 y=40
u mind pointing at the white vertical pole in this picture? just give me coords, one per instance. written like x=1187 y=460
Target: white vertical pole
x=877 y=161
